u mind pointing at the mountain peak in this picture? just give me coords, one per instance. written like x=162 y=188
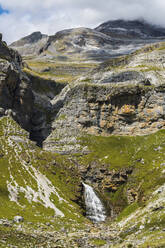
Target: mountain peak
x=132 y=29
x=32 y=38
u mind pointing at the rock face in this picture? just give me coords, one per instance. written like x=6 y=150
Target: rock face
x=108 y=110
x=44 y=91
x=16 y=97
x=104 y=179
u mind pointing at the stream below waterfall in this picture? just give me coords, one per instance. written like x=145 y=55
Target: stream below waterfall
x=95 y=210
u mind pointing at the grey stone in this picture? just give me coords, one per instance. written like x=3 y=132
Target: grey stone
x=18 y=219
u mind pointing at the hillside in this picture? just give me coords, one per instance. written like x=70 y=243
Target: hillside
x=73 y=113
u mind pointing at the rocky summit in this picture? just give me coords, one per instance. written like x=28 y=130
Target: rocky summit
x=82 y=126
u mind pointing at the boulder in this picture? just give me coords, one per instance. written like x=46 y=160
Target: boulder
x=18 y=219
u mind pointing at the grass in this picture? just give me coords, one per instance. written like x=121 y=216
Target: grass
x=9 y=236
x=128 y=210
x=98 y=242
x=145 y=154
x=52 y=76
x=154 y=239
x=61 y=72
x=55 y=64
x=122 y=151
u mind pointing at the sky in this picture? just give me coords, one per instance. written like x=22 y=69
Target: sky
x=20 y=18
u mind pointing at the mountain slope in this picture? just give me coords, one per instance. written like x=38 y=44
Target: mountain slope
x=74 y=52
x=91 y=44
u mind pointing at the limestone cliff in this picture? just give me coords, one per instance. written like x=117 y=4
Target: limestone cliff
x=124 y=96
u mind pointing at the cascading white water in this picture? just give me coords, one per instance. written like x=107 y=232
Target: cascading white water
x=95 y=210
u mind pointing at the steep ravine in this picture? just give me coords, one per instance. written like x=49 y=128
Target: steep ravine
x=44 y=91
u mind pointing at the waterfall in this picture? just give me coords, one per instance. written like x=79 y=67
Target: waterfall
x=95 y=210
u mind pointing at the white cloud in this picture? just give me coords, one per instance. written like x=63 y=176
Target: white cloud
x=50 y=16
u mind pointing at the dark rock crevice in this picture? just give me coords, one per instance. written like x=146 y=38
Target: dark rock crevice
x=44 y=92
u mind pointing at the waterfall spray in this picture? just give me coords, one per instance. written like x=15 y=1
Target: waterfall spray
x=95 y=210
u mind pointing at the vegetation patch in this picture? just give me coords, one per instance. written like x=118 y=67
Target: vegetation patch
x=98 y=242
x=128 y=210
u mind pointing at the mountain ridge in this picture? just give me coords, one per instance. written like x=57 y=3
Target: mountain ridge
x=124 y=33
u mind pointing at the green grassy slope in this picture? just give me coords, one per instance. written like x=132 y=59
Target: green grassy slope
x=33 y=182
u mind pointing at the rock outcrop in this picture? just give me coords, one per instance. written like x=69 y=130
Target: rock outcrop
x=16 y=97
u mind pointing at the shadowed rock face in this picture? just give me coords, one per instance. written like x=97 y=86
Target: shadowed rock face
x=16 y=97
